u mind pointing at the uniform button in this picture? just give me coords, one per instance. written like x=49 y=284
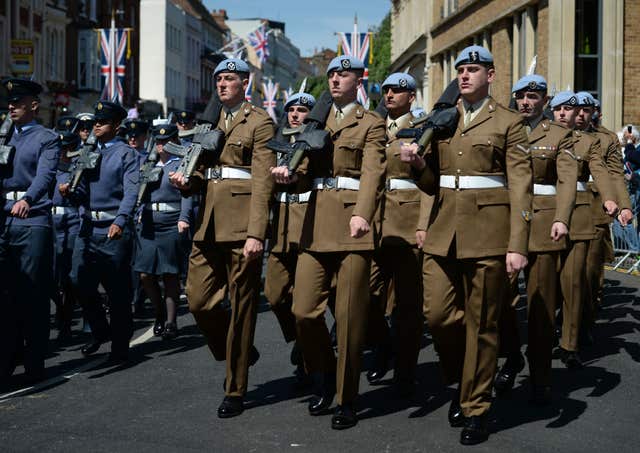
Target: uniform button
x=387 y=145
x=462 y=135
x=459 y=153
x=458 y=170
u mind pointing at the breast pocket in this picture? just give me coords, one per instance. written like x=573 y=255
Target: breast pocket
x=544 y=163
x=240 y=149
x=348 y=154
x=486 y=151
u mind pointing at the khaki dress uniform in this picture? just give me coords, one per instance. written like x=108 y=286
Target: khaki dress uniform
x=555 y=174
x=601 y=248
x=475 y=220
x=397 y=258
x=348 y=179
x=290 y=205
x=236 y=193
x=582 y=230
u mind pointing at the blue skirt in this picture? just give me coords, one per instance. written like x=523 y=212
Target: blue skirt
x=160 y=249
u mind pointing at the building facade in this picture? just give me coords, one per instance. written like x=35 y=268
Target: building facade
x=586 y=45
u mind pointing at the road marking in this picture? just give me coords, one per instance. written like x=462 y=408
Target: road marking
x=75 y=372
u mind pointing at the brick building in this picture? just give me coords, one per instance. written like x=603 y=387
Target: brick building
x=590 y=45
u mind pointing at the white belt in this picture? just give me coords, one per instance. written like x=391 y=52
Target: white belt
x=14 y=196
x=284 y=197
x=400 y=184
x=471 y=182
x=227 y=173
x=544 y=189
x=61 y=210
x=165 y=207
x=103 y=215
x=581 y=186
x=339 y=182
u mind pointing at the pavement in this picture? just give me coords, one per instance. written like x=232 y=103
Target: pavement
x=165 y=399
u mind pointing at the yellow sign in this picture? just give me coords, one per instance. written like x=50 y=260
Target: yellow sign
x=21 y=56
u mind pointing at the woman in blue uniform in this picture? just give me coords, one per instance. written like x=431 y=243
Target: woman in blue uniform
x=163 y=237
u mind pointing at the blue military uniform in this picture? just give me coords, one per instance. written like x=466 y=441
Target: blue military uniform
x=26 y=245
x=112 y=188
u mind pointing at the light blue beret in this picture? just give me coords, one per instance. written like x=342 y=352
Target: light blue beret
x=533 y=82
x=400 y=80
x=564 y=98
x=585 y=98
x=345 y=63
x=474 y=55
x=231 y=65
x=300 y=99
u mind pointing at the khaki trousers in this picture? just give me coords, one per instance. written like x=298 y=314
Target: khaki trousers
x=278 y=289
x=575 y=292
x=600 y=251
x=314 y=275
x=212 y=269
x=462 y=302
x=397 y=269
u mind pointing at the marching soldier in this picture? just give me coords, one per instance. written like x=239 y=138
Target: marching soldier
x=396 y=261
x=477 y=236
x=137 y=133
x=336 y=242
x=230 y=232
x=162 y=238
x=27 y=175
x=66 y=123
x=102 y=249
x=66 y=222
x=565 y=107
x=289 y=211
x=601 y=248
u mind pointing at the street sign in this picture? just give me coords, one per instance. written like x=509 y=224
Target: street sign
x=21 y=57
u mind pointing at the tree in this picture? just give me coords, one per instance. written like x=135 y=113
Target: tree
x=379 y=69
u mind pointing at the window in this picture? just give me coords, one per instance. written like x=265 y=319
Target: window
x=524 y=41
x=587 y=52
x=88 y=61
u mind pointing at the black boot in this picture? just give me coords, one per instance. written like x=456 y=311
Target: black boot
x=475 y=430
x=506 y=377
x=231 y=406
x=344 y=417
x=325 y=384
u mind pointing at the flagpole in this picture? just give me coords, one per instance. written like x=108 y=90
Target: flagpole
x=112 y=62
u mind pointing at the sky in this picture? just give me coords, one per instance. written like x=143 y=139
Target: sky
x=309 y=25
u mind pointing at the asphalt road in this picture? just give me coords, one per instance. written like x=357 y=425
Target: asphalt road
x=166 y=400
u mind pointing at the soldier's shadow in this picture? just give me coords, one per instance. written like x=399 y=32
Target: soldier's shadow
x=276 y=391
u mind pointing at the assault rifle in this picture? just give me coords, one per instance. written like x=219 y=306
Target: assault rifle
x=204 y=139
x=311 y=136
x=5 y=135
x=88 y=159
x=442 y=120
x=148 y=171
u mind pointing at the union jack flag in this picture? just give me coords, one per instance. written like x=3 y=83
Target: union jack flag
x=270 y=92
x=357 y=45
x=286 y=94
x=113 y=46
x=259 y=40
x=249 y=91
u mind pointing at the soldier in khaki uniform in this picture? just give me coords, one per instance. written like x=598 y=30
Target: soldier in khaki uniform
x=601 y=248
x=288 y=213
x=337 y=242
x=573 y=277
x=397 y=257
x=230 y=231
x=477 y=236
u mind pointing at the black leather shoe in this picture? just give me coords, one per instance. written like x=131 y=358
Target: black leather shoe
x=506 y=377
x=571 y=359
x=344 y=417
x=170 y=331
x=380 y=364
x=475 y=430
x=326 y=385
x=541 y=395
x=231 y=406
x=456 y=417
x=158 y=328
x=91 y=347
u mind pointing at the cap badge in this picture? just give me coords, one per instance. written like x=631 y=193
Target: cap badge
x=133 y=125
x=99 y=106
x=67 y=123
x=532 y=85
x=402 y=83
x=573 y=100
x=162 y=131
x=231 y=66
x=474 y=56
x=346 y=63
x=183 y=114
x=9 y=86
x=304 y=100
